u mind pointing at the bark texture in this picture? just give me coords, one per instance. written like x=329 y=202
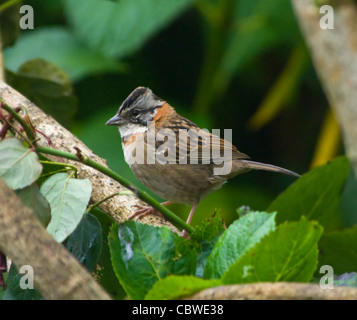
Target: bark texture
x=57 y=274
x=276 y=291
x=334 y=53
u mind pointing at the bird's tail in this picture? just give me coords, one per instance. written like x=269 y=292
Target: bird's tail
x=267 y=167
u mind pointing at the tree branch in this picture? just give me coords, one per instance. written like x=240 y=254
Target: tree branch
x=103 y=186
x=334 y=53
x=276 y=291
x=57 y=274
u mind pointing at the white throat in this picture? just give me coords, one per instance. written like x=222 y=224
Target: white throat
x=129 y=129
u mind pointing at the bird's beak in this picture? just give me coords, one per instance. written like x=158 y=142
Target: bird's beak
x=115 y=121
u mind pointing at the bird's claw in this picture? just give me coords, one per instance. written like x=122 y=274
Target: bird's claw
x=142 y=212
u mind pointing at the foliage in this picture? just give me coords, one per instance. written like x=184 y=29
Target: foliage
x=47 y=86
x=236 y=49
x=59 y=46
x=148 y=260
x=130 y=23
x=68 y=199
x=19 y=167
x=315 y=195
x=143 y=254
x=241 y=236
x=296 y=260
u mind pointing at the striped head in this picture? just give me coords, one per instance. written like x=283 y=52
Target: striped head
x=140 y=107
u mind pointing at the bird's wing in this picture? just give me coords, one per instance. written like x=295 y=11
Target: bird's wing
x=194 y=146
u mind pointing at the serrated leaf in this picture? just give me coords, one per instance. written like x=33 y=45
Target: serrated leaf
x=288 y=254
x=19 y=166
x=32 y=198
x=119 y=28
x=176 y=287
x=68 y=199
x=142 y=254
x=315 y=195
x=241 y=235
x=85 y=242
x=338 y=249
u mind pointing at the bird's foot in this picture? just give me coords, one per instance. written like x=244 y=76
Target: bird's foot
x=144 y=211
x=185 y=234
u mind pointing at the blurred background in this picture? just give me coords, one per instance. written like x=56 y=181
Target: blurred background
x=224 y=64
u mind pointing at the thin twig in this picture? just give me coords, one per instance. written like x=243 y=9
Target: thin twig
x=127 y=184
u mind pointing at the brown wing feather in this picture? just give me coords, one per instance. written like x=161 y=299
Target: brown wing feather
x=185 y=142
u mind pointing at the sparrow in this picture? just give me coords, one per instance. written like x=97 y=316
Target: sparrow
x=189 y=167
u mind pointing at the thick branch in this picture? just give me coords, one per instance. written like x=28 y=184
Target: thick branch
x=276 y=291
x=118 y=207
x=334 y=53
x=57 y=274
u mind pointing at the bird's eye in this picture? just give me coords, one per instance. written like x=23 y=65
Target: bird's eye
x=135 y=113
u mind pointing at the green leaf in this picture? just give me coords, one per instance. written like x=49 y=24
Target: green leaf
x=176 y=287
x=205 y=236
x=15 y=292
x=85 y=242
x=32 y=198
x=68 y=199
x=119 y=28
x=142 y=254
x=104 y=273
x=241 y=235
x=315 y=195
x=348 y=202
x=41 y=69
x=288 y=254
x=47 y=86
x=346 y=280
x=338 y=249
x=60 y=47
x=19 y=166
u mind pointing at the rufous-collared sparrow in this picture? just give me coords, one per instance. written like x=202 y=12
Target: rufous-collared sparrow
x=175 y=166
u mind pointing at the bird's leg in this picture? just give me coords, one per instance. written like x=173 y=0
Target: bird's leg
x=188 y=221
x=142 y=212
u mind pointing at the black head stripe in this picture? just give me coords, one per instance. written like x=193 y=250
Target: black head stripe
x=132 y=98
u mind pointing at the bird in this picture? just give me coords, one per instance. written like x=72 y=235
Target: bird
x=177 y=166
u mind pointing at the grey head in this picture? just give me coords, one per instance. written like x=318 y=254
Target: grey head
x=138 y=108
